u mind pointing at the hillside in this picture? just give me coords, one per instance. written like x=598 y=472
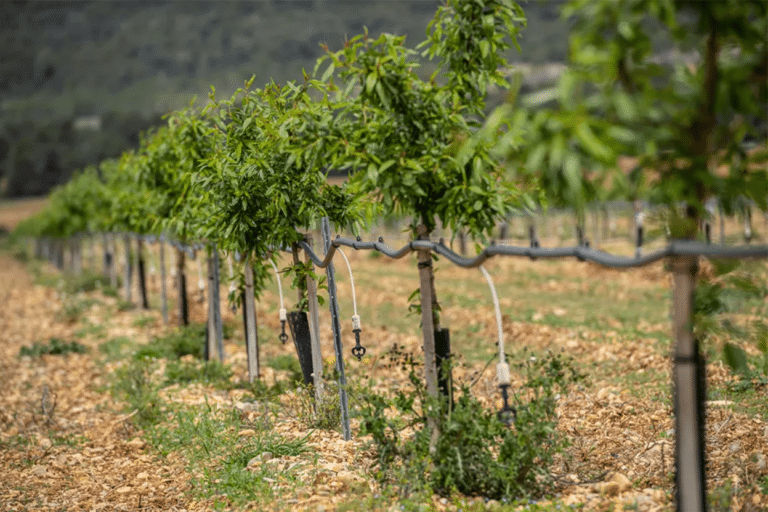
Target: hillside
x=80 y=79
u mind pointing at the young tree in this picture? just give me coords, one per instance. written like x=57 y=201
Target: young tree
x=687 y=122
x=411 y=141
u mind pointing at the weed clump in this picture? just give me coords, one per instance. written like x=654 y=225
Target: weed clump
x=476 y=453
x=180 y=342
x=55 y=346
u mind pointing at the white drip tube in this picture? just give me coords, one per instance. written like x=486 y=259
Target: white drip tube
x=283 y=312
x=355 y=316
x=502 y=368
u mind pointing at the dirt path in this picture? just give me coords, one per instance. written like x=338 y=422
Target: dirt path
x=63 y=445
x=66 y=445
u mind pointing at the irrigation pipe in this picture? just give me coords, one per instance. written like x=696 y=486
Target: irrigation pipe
x=676 y=248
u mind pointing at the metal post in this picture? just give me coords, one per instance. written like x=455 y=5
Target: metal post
x=333 y=305
x=141 y=277
x=428 y=330
x=314 y=331
x=217 y=324
x=211 y=330
x=689 y=393
x=181 y=286
x=111 y=243
x=249 y=314
x=128 y=268
x=163 y=290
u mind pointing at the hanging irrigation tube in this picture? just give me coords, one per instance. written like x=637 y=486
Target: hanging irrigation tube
x=358 y=350
x=283 y=313
x=507 y=413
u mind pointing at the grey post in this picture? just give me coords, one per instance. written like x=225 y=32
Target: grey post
x=314 y=332
x=688 y=381
x=163 y=289
x=336 y=325
x=128 y=268
x=219 y=328
x=211 y=338
x=251 y=339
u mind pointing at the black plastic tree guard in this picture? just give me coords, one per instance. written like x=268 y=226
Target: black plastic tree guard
x=299 y=324
x=442 y=354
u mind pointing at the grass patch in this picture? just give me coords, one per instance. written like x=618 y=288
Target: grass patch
x=136 y=385
x=180 y=342
x=144 y=321
x=218 y=455
x=115 y=348
x=208 y=372
x=55 y=346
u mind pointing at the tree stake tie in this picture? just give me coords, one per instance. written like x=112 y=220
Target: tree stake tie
x=507 y=413
x=232 y=286
x=283 y=313
x=358 y=350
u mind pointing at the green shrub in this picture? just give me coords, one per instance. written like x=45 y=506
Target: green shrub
x=55 y=346
x=475 y=454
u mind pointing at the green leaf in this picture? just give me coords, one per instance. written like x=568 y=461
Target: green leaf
x=328 y=72
x=370 y=82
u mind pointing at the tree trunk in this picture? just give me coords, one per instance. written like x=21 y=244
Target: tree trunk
x=428 y=326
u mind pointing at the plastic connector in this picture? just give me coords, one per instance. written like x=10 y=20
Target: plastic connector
x=502 y=374
x=283 y=315
x=356 y=322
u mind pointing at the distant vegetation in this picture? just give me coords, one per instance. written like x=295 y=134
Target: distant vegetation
x=79 y=80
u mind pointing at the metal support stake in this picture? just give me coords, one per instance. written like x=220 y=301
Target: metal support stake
x=210 y=339
x=249 y=315
x=181 y=287
x=217 y=324
x=688 y=377
x=333 y=305
x=111 y=243
x=128 y=268
x=428 y=330
x=314 y=331
x=141 y=277
x=163 y=289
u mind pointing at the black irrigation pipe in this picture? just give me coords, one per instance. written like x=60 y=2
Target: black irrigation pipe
x=676 y=248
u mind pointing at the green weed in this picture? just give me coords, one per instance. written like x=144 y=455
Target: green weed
x=209 y=440
x=180 y=342
x=55 y=346
x=134 y=383
x=476 y=453
x=114 y=348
